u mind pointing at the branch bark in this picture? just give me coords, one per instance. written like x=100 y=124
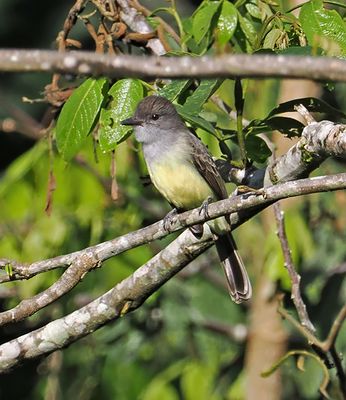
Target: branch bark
x=253 y=201
x=235 y=65
x=123 y=298
x=294 y=276
x=325 y=138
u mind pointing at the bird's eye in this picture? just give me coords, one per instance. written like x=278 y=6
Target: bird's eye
x=155 y=117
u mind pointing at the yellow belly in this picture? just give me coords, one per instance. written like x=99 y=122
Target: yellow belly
x=180 y=183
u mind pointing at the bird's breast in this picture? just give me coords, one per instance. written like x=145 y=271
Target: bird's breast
x=178 y=180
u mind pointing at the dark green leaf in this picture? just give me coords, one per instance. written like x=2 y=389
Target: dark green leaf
x=172 y=90
x=225 y=149
x=257 y=149
x=78 y=115
x=311 y=103
x=227 y=22
x=238 y=96
x=324 y=28
x=206 y=88
x=299 y=51
x=289 y=126
x=194 y=120
x=126 y=93
x=202 y=19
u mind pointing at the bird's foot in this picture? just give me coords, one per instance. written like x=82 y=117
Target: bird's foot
x=168 y=219
x=203 y=210
x=247 y=191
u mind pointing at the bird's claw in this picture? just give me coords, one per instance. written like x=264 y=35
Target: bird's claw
x=168 y=219
x=247 y=191
x=203 y=210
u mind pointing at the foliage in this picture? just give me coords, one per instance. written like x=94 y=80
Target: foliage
x=171 y=348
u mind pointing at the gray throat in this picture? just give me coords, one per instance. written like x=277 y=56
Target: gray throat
x=157 y=150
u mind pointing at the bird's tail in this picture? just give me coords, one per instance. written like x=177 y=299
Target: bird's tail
x=239 y=284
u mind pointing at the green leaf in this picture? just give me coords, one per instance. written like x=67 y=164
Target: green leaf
x=194 y=120
x=78 y=116
x=257 y=149
x=299 y=51
x=206 y=88
x=238 y=96
x=172 y=90
x=311 y=103
x=126 y=93
x=202 y=19
x=248 y=29
x=289 y=126
x=21 y=166
x=197 y=381
x=159 y=389
x=271 y=38
x=253 y=10
x=227 y=22
x=324 y=28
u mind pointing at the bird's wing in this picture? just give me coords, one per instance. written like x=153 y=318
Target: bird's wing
x=206 y=167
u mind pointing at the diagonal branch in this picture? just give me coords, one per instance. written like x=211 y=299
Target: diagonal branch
x=123 y=298
x=254 y=202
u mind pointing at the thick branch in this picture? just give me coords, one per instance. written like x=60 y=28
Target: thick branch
x=319 y=141
x=235 y=65
x=123 y=298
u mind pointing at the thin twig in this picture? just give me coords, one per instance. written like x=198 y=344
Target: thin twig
x=304 y=353
x=335 y=329
x=294 y=276
x=339 y=369
x=327 y=347
x=311 y=338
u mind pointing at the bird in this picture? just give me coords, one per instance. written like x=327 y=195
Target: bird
x=184 y=172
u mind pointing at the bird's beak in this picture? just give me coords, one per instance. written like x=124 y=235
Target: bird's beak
x=133 y=121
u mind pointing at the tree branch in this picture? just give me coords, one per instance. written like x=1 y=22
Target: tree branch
x=120 y=300
x=235 y=204
x=319 y=141
x=294 y=276
x=235 y=65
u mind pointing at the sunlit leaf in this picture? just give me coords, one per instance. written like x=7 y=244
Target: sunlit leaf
x=194 y=120
x=78 y=115
x=227 y=22
x=125 y=93
x=202 y=19
x=206 y=88
x=172 y=90
x=253 y=10
x=324 y=28
x=248 y=29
